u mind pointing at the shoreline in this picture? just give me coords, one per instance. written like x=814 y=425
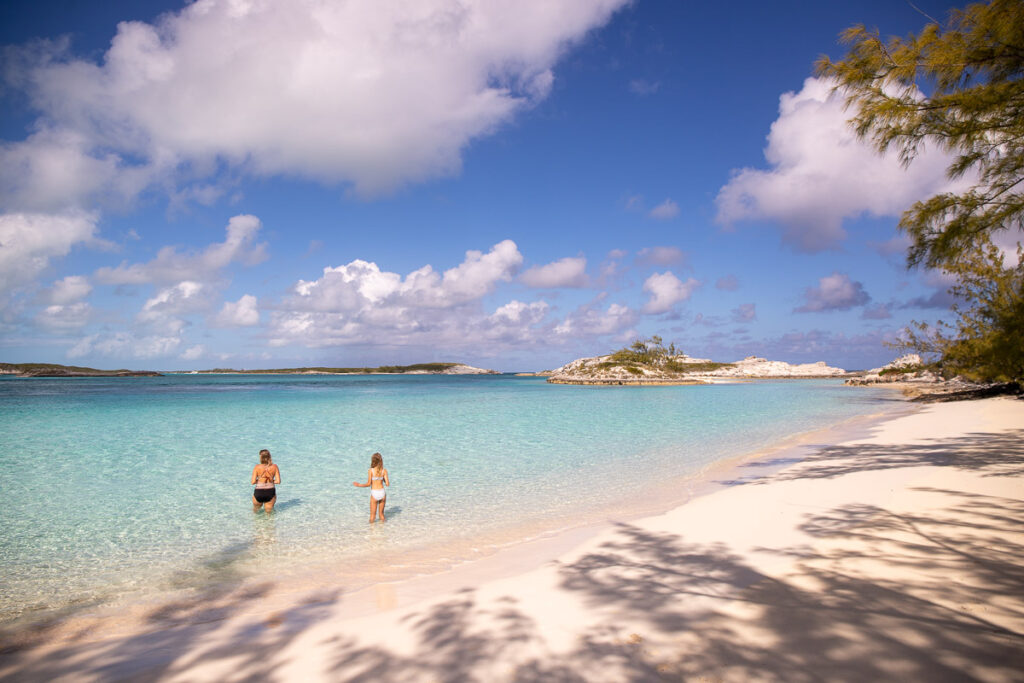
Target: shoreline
x=122 y=613
x=299 y=548
x=424 y=564
x=567 y=590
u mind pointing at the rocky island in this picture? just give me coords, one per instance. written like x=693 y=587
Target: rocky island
x=415 y=369
x=921 y=381
x=650 y=363
x=54 y=370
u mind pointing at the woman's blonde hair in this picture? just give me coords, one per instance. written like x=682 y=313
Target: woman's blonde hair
x=377 y=462
x=264 y=457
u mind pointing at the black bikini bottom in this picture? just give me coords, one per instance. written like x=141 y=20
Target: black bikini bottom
x=264 y=495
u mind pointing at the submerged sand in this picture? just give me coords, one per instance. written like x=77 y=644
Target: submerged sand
x=896 y=556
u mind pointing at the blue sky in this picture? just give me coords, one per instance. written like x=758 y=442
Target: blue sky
x=513 y=185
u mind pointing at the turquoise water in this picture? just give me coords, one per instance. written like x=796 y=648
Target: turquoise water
x=116 y=487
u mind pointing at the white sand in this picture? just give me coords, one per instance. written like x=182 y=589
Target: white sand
x=899 y=556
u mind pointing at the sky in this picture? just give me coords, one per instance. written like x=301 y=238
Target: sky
x=513 y=185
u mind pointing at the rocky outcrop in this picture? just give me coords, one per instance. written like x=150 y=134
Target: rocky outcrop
x=753 y=367
x=908 y=369
x=456 y=369
x=920 y=382
x=605 y=370
x=683 y=369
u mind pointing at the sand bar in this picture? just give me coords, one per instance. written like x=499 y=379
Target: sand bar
x=898 y=555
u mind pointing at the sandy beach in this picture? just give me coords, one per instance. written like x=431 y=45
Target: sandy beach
x=894 y=556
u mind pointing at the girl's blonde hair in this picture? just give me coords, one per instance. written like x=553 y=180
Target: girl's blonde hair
x=264 y=457
x=377 y=462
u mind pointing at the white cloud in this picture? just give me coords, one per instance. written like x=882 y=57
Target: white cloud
x=667 y=209
x=660 y=256
x=29 y=241
x=358 y=302
x=821 y=174
x=362 y=92
x=566 y=272
x=241 y=313
x=666 y=290
x=54 y=169
x=125 y=345
x=362 y=286
x=69 y=290
x=64 y=317
x=588 y=320
x=835 y=292
x=516 y=323
x=162 y=311
x=517 y=312
x=193 y=352
x=172 y=266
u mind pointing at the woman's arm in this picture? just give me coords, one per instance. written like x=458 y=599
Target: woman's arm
x=363 y=486
x=387 y=482
x=253 y=474
x=277 y=474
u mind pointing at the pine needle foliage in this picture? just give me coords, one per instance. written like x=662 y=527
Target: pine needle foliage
x=985 y=341
x=959 y=87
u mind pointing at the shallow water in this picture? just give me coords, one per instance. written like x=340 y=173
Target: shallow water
x=133 y=486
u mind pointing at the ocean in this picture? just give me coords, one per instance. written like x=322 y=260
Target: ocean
x=131 y=488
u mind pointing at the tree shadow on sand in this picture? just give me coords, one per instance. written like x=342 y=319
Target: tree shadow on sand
x=167 y=632
x=827 y=621
x=996 y=455
x=880 y=596
x=946 y=606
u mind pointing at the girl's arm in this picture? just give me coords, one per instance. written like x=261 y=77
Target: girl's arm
x=277 y=474
x=387 y=482
x=253 y=475
x=362 y=486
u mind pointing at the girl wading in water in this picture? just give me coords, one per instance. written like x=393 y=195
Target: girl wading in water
x=376 y=479
x=265 y=476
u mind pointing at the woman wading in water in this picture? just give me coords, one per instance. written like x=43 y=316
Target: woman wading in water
x=265 y=476
x=376 y=479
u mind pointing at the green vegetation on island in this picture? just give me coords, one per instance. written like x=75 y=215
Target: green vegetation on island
x=905 y=370
x=959 y=87
x=55 y=370
x=652 y=355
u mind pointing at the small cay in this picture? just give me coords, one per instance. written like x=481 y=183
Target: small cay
x=648 y=362
x=54 y=370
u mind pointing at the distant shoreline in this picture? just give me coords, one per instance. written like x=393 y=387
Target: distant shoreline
x=53 y=370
